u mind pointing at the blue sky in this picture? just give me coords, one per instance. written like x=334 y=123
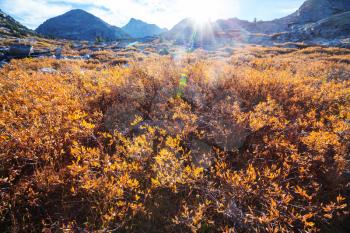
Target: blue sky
x=165 y=13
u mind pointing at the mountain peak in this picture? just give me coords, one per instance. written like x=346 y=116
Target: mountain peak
x=77 y=11
x=134 y=20
x=140 y=29
x=78 y=24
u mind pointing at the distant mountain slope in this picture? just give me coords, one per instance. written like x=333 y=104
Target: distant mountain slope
x=315 y=10
x=139 y=29
x=80 y=25
x=315 y=18
x=10 y=27
x=309 y=12
x=331 y=28
x=182 y=31
x=190 y=31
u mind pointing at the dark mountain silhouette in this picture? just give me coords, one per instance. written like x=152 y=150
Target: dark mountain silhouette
x=80 y=25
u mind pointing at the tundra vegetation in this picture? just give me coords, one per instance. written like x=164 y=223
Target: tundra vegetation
x=253 y=142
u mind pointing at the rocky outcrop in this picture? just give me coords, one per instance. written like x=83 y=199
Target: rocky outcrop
x=315 y=10
x=139 y=29
x=311 y=11
x=182 y=31
x=331 y=31
x=336 y=26
x=10 y=27
x=80 y=25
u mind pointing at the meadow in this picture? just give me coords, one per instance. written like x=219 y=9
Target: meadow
x=254 y=141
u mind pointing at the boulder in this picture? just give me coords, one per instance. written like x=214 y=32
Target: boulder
x=2 y=63
x=58 y=53
x=94 y=49
x=48 y=70
x=4 y=49
x=20 y=51
x=86 y=57
x=164 y=52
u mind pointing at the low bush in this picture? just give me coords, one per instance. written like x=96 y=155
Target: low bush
x=176 y=145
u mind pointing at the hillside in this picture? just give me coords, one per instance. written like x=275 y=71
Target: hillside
x=312 y=15
x=328 y=31
x=315 y=10
x=139 y=29
x=310 y=11
x=80 y=25
x=10 y=27
x=193 y=34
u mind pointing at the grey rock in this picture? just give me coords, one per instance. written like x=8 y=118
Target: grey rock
x=95 y=49
x=58 y=53
x=75 y=57
x=20 y=51
x=77 y=45
x=2 y=63
x=121 y=44
x=86 y=57
x=48 y=70
x=4 y=49
x=164 y=52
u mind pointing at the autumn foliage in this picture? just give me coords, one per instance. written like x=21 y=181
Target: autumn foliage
x=258 y=142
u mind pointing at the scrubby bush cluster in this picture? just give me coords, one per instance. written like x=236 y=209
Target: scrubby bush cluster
x=255 y=143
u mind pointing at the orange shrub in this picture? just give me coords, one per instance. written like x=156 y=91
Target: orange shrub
x=255 y=143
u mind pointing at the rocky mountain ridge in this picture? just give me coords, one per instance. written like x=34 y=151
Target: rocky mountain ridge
x=314 y=21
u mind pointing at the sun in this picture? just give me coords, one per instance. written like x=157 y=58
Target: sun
x=204 y=11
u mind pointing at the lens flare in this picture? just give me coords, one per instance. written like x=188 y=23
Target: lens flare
x=203 y=11
x=210 y=10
